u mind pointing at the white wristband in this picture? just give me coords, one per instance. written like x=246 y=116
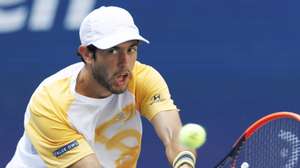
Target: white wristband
x=184 y=157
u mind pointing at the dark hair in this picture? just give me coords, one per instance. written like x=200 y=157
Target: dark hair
x=91 y=49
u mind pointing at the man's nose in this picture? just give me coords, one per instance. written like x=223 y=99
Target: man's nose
x=124 y=58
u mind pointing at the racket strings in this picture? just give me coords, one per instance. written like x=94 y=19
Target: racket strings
x=275 y=145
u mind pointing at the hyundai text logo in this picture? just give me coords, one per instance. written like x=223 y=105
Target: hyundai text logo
x=17 y=14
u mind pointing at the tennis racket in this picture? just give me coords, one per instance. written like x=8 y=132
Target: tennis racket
x=271 y=142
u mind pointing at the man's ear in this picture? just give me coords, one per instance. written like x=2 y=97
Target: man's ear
x=86 y=55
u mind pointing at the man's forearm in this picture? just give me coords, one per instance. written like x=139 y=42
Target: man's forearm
x=167 y=125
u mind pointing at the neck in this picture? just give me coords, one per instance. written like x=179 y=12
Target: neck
x=86 y=85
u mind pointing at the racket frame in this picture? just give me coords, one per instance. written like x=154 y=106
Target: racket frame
x=251 y=130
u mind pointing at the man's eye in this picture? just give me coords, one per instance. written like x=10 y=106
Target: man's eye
x=134 y=49
x=112 y=51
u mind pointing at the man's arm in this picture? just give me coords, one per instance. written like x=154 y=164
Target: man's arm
x=167 y=125
x=89 y=161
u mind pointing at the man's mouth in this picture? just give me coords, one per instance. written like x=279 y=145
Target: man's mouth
x=122 y=78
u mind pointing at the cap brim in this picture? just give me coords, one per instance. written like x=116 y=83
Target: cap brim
x=117 y=39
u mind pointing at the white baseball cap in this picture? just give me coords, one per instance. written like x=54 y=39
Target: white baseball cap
x=106 y=27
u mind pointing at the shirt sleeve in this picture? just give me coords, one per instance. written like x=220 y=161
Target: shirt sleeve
x=153 y=93
x=53 y=137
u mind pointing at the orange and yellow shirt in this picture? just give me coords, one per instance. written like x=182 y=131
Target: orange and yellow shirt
x=62 y=126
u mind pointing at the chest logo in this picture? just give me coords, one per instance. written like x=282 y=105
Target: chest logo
x=129 y=154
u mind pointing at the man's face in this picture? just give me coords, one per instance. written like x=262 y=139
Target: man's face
x=112 y=68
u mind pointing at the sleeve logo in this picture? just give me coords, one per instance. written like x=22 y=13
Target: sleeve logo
x=155 y=99
x=65 y=148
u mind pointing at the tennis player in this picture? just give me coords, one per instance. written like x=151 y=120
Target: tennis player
x=88 y=115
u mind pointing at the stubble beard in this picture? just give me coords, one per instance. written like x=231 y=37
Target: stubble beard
x=101 y=75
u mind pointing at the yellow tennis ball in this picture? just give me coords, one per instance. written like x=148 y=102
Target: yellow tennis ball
x=192 y=136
